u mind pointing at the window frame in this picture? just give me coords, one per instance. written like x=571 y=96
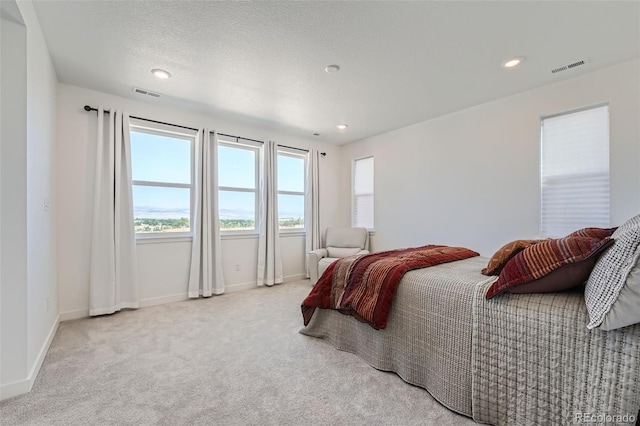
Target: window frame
x=295 y=153
x=354 y=197
x=256 y=147
x=167 y=130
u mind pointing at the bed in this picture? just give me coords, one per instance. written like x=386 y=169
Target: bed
x=515 y=359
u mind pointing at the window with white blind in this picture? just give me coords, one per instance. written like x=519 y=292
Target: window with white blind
x=574 y=171
x=362 y=208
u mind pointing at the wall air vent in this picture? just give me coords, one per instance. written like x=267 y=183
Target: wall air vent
x=146 y=92
x=569 y=66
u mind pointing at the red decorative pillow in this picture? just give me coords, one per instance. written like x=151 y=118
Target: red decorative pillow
x=599 y=233
x=550 y=266
x=505 y=254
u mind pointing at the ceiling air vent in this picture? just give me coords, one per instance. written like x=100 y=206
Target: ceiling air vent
x=146 y=92
x=569 y=66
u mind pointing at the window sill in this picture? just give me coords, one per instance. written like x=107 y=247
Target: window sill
x=239 y=236
x=161 y=239
x=186 y=238
x=300 y=233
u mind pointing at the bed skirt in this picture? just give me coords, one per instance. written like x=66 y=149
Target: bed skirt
x=428 y=348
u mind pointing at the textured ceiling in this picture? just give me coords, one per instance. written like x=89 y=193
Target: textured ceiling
x=263 y=62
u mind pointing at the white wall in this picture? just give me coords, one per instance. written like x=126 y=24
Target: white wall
x=41 y=133
x=13 y=190
x=163 y=267
x=29 y=286
x=471 y=178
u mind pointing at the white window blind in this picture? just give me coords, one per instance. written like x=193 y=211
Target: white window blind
x=574 y=171
x=362 y=209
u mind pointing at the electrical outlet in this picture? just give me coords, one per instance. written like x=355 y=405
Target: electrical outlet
x=237 y=266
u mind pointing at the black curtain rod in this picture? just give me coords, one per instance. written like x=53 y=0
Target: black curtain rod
x=240 y=137
x=293 y=147
x=253 y=140
x=88 y=108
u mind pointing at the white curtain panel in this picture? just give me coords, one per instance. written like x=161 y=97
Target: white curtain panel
x=205 y=276
x=269 y=259
x=113 y=280
x=312 y=207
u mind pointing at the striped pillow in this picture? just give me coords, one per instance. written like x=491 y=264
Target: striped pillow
x=549 y=266
x=593 y=232
x=505 y=254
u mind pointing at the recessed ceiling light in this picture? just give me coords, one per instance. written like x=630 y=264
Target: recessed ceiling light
x=342 y=126
x=513 y=62
x=332 y=68
x=161 y=73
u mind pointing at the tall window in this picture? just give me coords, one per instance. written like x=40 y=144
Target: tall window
x=162 y=178
x=574 y=171
x=362 y=196
x=238 y=165
x=291 y=182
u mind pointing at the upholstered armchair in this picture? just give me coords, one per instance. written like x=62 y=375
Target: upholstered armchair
x=339 y=242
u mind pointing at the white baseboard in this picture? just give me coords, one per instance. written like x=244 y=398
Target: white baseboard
x=153 y=301
x=71 y=315
x=247 y=286
x=231 y=288
x=19 y=387
x=143 y=303
x=295 y=277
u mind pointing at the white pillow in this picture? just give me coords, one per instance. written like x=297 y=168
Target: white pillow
x=626 y=309
x=610 y=274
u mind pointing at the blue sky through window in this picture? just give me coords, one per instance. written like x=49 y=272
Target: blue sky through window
x=290 y=173
x=160 y=158
x=236 y=167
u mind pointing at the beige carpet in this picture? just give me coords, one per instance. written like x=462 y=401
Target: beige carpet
x=235 y=359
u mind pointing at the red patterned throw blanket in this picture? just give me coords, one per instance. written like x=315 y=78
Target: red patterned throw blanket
x=363 y=286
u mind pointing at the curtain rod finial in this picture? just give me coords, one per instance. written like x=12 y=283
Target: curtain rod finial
x=87 y=108
x=323 y=154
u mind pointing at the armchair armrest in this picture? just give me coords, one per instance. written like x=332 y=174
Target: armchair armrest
x=363 y=252
x=313 y=257
x=319 y=253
